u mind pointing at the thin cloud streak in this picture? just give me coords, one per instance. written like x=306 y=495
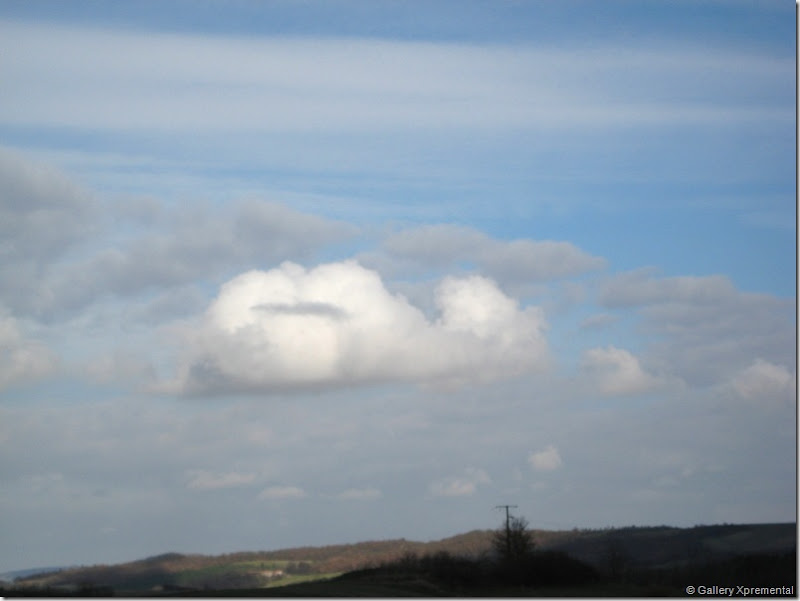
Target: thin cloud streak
x=72 y=77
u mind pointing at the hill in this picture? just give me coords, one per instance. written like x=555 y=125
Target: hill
x=618 y=553
x=11 y=576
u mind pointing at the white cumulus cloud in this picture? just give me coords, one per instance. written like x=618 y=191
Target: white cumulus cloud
x=360 y=494
x=282 y=492
x=766 y=382
x=546 y=460
x=21 y=359
x=460 y=486
x=205 y=480
x=336 y=324
x=614 y=371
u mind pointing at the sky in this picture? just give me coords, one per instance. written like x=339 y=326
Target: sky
x=289 y=273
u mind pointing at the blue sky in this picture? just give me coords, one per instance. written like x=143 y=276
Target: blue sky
x=273 y=271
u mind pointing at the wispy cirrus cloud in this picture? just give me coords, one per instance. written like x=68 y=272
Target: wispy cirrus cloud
x=184 y=82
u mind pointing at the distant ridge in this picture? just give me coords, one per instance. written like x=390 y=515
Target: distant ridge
x=10 y=576
x=638 y=547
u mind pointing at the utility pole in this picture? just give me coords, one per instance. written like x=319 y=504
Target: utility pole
x=508 y=526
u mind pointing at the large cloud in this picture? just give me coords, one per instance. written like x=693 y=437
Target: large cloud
x=337 y=324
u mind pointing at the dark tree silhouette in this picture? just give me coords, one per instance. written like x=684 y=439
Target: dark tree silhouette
x=513 y=541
